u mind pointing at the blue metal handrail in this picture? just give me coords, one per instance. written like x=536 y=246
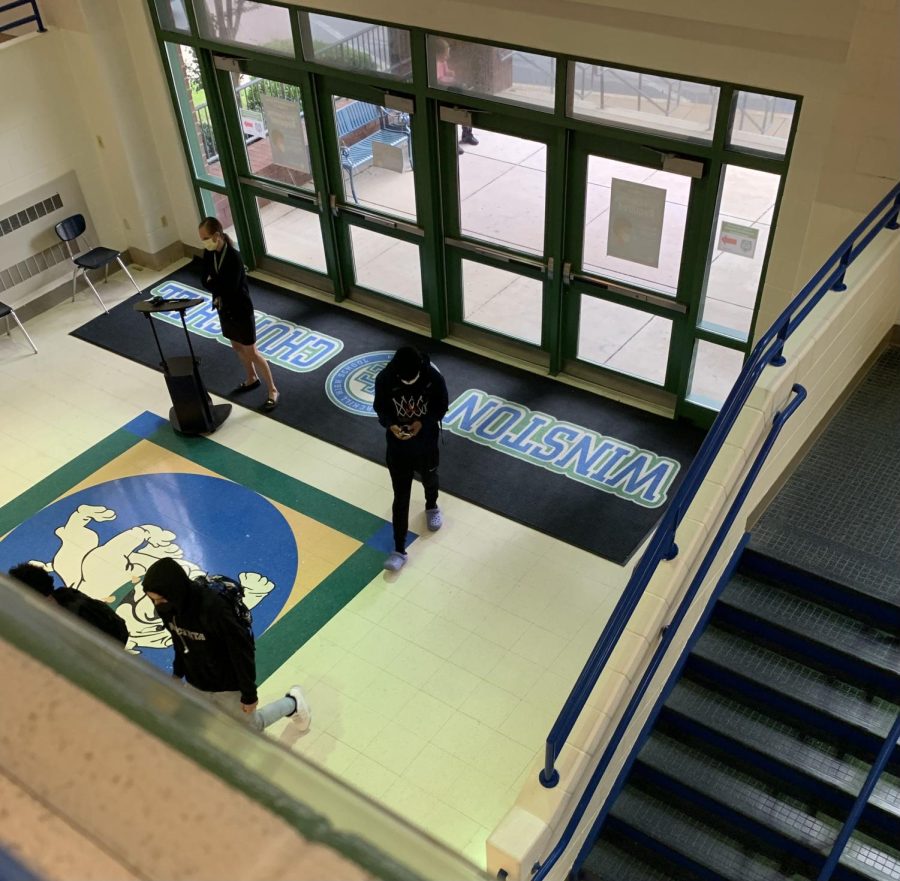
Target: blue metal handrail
x=769 y=350
x=884 y=755
x=35 y=15
x=778 y=423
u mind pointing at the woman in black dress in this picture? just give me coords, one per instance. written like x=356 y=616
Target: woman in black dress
x=225 y=278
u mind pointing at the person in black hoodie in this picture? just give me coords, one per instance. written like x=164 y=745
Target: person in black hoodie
x=214 y=653
x=410 y=402
x=225 y=278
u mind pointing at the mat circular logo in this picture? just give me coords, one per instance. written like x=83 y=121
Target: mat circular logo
x=351 y=385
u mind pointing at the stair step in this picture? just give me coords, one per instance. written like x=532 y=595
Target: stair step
x=723 y=784
x=606 y=861
x=826 y=627
x=778 y=743
x=692 y=839
x=870 y=859
x=780 y=676
x=878 y=603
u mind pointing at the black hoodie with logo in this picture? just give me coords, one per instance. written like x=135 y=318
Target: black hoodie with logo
x=424 y=400
x=213 y=651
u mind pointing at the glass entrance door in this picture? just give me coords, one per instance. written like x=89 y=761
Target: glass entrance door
x=626 y=289
x=499 y=234
x=270 y=130
x=374 y=197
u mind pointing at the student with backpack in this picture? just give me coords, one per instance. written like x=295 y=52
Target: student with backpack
x=214 y=648
x=95 y=612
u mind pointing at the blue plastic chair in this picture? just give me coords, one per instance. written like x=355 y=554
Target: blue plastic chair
x=69 y=230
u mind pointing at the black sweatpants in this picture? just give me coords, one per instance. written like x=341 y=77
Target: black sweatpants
x=402 y=469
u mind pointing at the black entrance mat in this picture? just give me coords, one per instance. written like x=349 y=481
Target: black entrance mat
x=589 y=471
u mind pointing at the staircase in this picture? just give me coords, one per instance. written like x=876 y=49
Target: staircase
x=764 y=743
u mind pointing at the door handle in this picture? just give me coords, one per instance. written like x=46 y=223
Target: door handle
x=549 y=269
x=332 y=202
x=567 y=273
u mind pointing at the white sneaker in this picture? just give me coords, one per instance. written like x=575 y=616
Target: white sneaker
x=302 y=716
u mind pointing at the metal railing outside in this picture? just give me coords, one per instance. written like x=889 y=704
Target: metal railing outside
x=370 y=49
x=34 y=17
x=768 y=351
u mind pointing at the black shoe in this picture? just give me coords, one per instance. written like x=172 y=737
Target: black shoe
x=272 y=402
x=471 y=140
x=460 y=150
x=245 y=387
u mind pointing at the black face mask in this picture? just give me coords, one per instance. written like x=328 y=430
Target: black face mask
x=164 y=608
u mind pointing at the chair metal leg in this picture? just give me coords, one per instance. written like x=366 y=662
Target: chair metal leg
x=106 y=274
x=122 y=264
x=74 y=282
x=7 y=326
x=22 y=328
x=96 y=293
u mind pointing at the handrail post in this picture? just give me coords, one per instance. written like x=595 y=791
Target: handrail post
x=777 y=359
x=37 y=17
x=839 y=283
x=895 y=211
x=549 y=776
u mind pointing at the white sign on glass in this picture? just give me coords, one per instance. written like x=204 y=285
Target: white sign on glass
x=735 y=238
x=287 y=134
x=636 y=213
x=253 y=123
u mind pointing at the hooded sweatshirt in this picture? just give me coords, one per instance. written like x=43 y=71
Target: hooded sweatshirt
x=399 y=404
x=213 y=652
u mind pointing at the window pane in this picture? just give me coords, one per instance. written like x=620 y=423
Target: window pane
x=502 y=186
x=388 y=265
x=502 y=301
x=375 y=150
x=761 y=122
x=509 y=75
x=739 y=245
x=624 y=339
x=172 y=15
x=643 y=100
x=292 y=234
x=357 y=45
x=715 y=371
x=217 y=205
x=635 y=224
x=264 y=27
x=274 y=129
x=194 y=110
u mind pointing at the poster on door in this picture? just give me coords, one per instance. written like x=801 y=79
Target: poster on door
x=734 y=238
x=287 y=134
x=636 y=214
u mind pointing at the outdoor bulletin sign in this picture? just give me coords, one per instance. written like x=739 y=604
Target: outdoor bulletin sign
x=287 y=136
x=636 y=213
x=737 y=239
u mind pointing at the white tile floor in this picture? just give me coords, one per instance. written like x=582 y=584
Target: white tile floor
x=433 y=690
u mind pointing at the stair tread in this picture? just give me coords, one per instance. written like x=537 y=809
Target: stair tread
x=692 y=838
x=739 y=791
x=607 y=862
x=778 y=740
x=813 y=621
x=803 y=684
x=871 y=859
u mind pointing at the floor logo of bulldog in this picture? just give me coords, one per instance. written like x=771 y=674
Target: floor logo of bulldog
x=145 y=494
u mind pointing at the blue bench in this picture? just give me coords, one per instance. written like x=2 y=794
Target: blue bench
x=393 y=129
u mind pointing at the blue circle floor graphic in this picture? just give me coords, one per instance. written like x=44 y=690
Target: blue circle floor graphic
x=103 y=538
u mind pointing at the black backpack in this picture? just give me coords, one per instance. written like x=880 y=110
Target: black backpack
x=97 y=613
x=233 y=592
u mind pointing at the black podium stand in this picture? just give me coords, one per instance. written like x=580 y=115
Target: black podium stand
x=192 y=410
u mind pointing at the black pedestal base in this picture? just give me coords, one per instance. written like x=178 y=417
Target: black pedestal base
x=218 y=412
x=192 y=410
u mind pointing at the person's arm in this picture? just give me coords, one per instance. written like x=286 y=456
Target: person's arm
x=178 y=648
x=382 y=405
x=241 y=651
x=440 y=400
